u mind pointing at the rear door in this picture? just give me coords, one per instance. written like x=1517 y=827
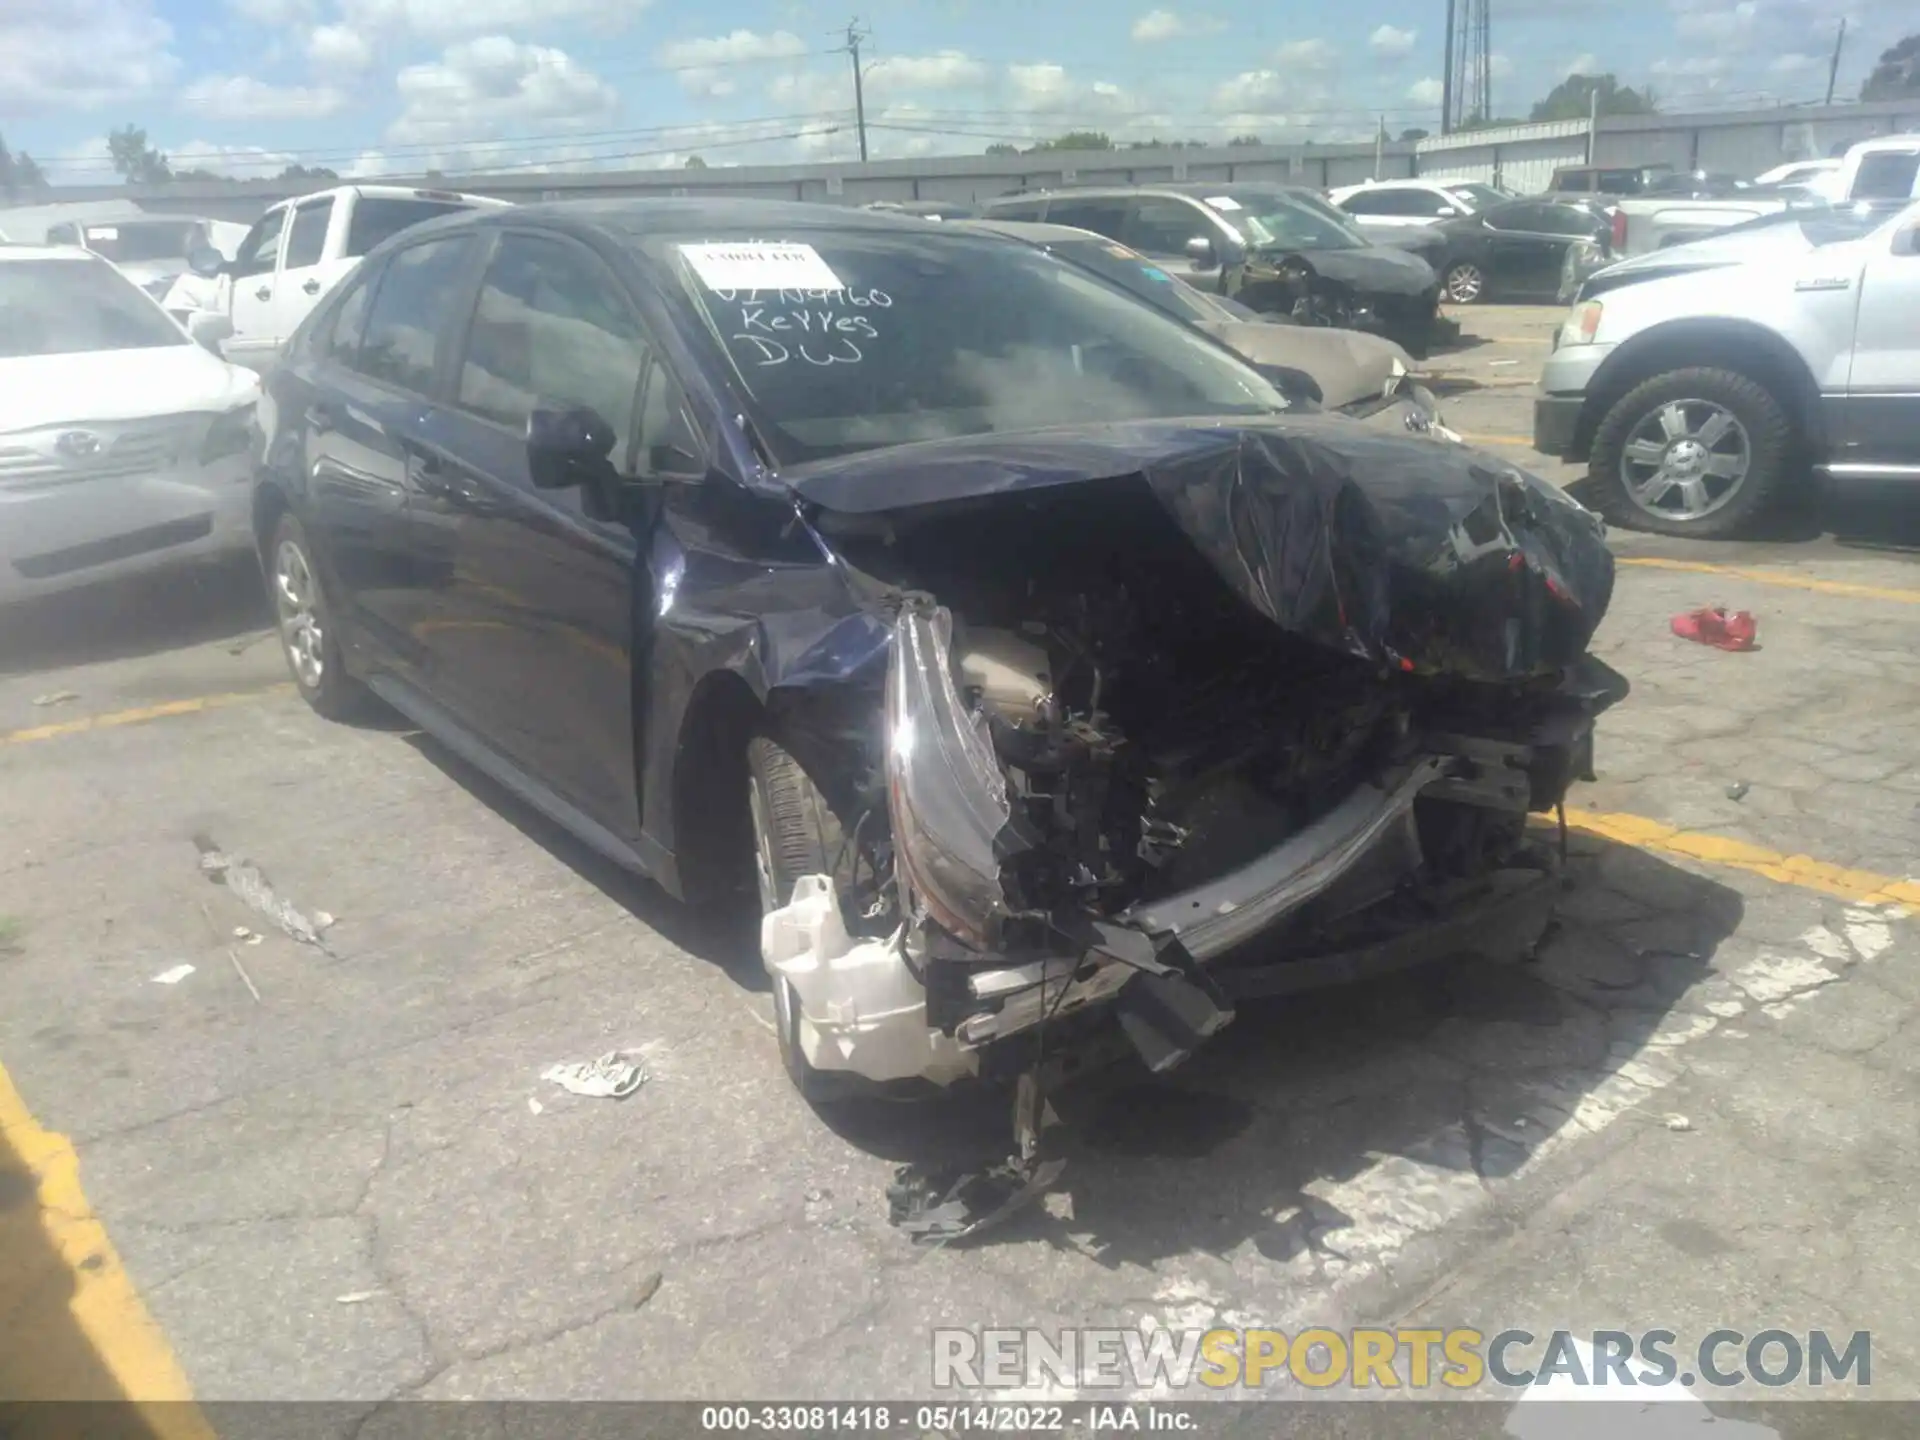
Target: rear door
x=371 y=426
x=1526 y=249
x=1162 y=226
x=297 y=288
x=534 y=635
x=249 y=283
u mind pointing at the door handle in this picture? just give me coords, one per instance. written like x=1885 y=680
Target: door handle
x=312 y=287
x=265 y=292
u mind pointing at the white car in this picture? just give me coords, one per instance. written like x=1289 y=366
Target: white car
x=1392 y=204
x=1816 y=175
x=123 y=444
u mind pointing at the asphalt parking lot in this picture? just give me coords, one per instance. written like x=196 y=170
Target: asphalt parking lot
x=335 y=1172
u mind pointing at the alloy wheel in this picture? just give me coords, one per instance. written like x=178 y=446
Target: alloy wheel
x=295 y=598
x=1464 y=284
x=1685 y=459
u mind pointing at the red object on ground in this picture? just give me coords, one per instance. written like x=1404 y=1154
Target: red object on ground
x=1711 y=625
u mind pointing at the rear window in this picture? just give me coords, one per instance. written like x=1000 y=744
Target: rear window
x=130 y=243
x=380 y=217
x=937 y=335
x=1886 y=175
x=70 y=307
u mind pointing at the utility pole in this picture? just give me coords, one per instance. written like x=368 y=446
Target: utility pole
x=1833 y=70
x=1446 y=78
x=854 y=36
x=1379 y=147
x=1593 y=119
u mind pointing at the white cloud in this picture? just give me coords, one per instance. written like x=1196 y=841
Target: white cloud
x=1499 y=65
x=81 y=54
x=1586 y=63
x=277 y=14
x=445 y=19
x=702 y=62
x=1250 y=90
x=1306 y=55
x=1157 y=25
x=1718 y=25
x=241 y=97
x=243 y=162
x=339 y=48
x=946 y=70
x=1426 y=92
x=480 y=85
x=1694 y=66
x=1792 y=64
x=1392 y=43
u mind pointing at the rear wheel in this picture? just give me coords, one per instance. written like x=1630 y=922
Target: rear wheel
x=309 y=638
x=795 y=833
x=1699 y=451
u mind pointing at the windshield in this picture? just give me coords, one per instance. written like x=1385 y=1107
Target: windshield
x=1285 y=221
x=1478 y=197
x=145 y=240
x=1133 y=272
x=884 y=339
x=68 y=307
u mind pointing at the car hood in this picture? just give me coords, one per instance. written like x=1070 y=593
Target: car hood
x=39 y=390
x=1347 y=365
x=1423 y=558
x=1377 y=269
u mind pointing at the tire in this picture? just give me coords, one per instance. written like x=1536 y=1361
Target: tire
x=795 y=833
x=309 y=636
x=1464 y=283
x=1640 y=422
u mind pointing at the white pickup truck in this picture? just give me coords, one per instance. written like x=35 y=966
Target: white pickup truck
x=294 y=254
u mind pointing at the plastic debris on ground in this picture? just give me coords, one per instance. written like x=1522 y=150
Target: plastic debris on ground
x=1722 y=629
x=938 y=1205
x=611 y=1077
x=358 y=1297
x=1679 y=1122
x=249 y=884
x=1737 y=790
x=58 y=697
x=173 y=976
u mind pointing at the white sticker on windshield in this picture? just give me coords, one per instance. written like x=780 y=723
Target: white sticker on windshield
x=1223 y=202
x=102 y=232
x=758 y=265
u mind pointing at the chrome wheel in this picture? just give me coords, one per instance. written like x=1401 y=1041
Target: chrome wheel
x=1464 y=284
x=296 y=599
x=1685 y=460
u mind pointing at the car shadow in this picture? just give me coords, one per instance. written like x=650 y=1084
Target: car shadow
x=1314 y=1126
x=1856 y=516
x=123 y=619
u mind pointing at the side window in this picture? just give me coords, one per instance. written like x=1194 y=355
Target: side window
x=261 y=249
x=551 y=327
x=339 y=339
x=1568 y=220
x=64 y=235
x=668 y=437
x=1163 y=227
x=413 y=306
x=1103 y=217
x=1367 y=202
x=1514 y=217
x=1016 y=210
x=308 y=240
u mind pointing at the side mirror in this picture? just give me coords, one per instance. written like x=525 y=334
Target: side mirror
x=209 y=328
x=1201 y=252
x=206 y=262
x=568 y=447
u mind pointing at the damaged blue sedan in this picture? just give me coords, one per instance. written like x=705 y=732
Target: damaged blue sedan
x=1033 y=662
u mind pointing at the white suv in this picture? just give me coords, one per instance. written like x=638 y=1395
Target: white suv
x=1397 y=204
x=123 y=444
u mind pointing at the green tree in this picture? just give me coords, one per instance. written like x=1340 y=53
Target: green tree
x=1897 y=76
x=1001 y=147
x=694 y=162
x=308 y=172
x=1573 y=98
x=135 y=161
x=1244 y=142
x=1078 y=140
x=1413 y=134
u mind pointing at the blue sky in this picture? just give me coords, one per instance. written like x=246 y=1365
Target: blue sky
x=387 y=86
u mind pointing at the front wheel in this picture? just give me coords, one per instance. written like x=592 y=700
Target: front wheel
x=795 y=833
x=1465 y=283
x=1700 y=451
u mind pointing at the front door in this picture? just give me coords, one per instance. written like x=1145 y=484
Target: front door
x=1162 y=226
x=1882 y=411
x=1524 y=256
x=298 y=285
x=535 y=634
x=251 y=282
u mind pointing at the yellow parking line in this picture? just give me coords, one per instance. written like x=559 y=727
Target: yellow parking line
x=1497 y=439
x=1775 y=577
x=145 y=713
x=1863 y=886
x=72 y=1325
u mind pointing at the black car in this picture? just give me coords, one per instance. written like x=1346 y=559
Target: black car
x=1278 y=249
x=1516 y=251
x=1010 y=639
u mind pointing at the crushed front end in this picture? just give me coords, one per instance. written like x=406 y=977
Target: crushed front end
x=1270 y=712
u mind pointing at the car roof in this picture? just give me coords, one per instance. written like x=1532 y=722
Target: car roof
x=1031 y=232
x=1186 y=190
